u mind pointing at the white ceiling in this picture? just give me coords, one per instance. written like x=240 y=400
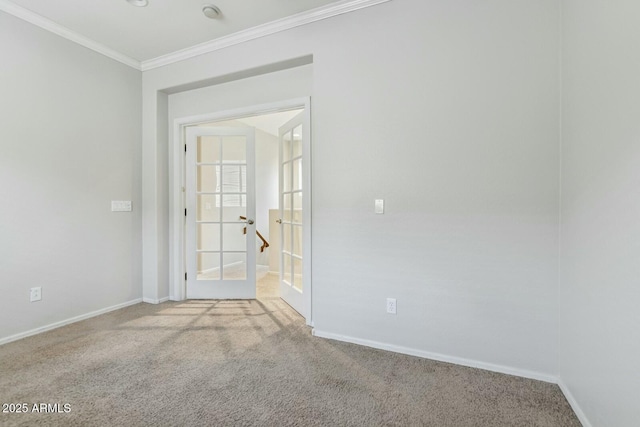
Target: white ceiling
x=269 y=123
x=163 y=27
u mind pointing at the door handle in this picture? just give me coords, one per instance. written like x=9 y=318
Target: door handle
x=248 y=221
x=279 y=221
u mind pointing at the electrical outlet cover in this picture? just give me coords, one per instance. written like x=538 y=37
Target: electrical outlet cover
x=35 y=294
x=391 y=306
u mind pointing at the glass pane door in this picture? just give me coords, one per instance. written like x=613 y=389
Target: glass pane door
x=220 y=193
x=291 y=213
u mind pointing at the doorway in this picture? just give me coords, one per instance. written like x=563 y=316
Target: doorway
x=247 y=224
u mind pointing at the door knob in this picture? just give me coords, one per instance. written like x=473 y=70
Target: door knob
x=249 y=221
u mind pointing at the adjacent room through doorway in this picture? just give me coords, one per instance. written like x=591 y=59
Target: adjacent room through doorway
x=244 y=189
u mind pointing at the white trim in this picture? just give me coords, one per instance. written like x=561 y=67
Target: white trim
x=68 y=321
x=255 y=110
x=307 y=262
x=439 y=357
x=177 y=219
x=302 y=18
x=283 y=24
x=155 y=301
x=64 y=32
x=574 y=404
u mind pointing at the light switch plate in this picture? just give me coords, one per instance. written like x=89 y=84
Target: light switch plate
x=379 y=206
x=35 y=294
x=121 y=206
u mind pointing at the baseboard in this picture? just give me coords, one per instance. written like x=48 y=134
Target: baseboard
x=211 y=270
x=155 y=301
x=67 y=321
x=439 y=357
x=574 y=404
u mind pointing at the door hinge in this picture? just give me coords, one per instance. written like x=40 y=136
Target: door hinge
x=185 y=212
x=185 y=276
x=185 y=148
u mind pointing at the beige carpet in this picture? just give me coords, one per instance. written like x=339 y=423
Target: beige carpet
x=249 y=363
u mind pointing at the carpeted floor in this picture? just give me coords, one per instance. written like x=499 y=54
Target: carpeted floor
x=246 y=363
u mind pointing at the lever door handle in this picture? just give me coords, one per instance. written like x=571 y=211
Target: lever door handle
x=248 y=221
x=279 y=221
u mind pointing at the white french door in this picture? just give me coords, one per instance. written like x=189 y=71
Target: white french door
x=294 y=182
x=220 y=211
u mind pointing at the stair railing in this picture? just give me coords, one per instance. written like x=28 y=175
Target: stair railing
x=265 y=244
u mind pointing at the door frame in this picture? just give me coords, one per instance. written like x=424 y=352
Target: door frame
x=177 y=202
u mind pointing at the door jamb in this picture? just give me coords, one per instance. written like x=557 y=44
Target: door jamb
x=177 y=262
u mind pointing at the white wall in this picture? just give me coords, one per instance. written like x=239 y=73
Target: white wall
x=600 y=234
x=267 y=152
x=449 y=112
x=69 y=144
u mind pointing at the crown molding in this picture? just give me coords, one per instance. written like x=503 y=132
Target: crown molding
x=46 y=24
x=302 y=18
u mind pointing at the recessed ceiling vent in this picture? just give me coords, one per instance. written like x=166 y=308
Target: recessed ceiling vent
x=211 y=11
x=139 y=3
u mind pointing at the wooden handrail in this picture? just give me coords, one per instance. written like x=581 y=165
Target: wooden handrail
x=265 y=244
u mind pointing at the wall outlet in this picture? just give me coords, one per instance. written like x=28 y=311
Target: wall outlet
x=35 y=294
x=391 y=305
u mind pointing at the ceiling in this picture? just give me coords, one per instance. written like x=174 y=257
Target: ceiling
x=269 y=123
x=164 y=26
